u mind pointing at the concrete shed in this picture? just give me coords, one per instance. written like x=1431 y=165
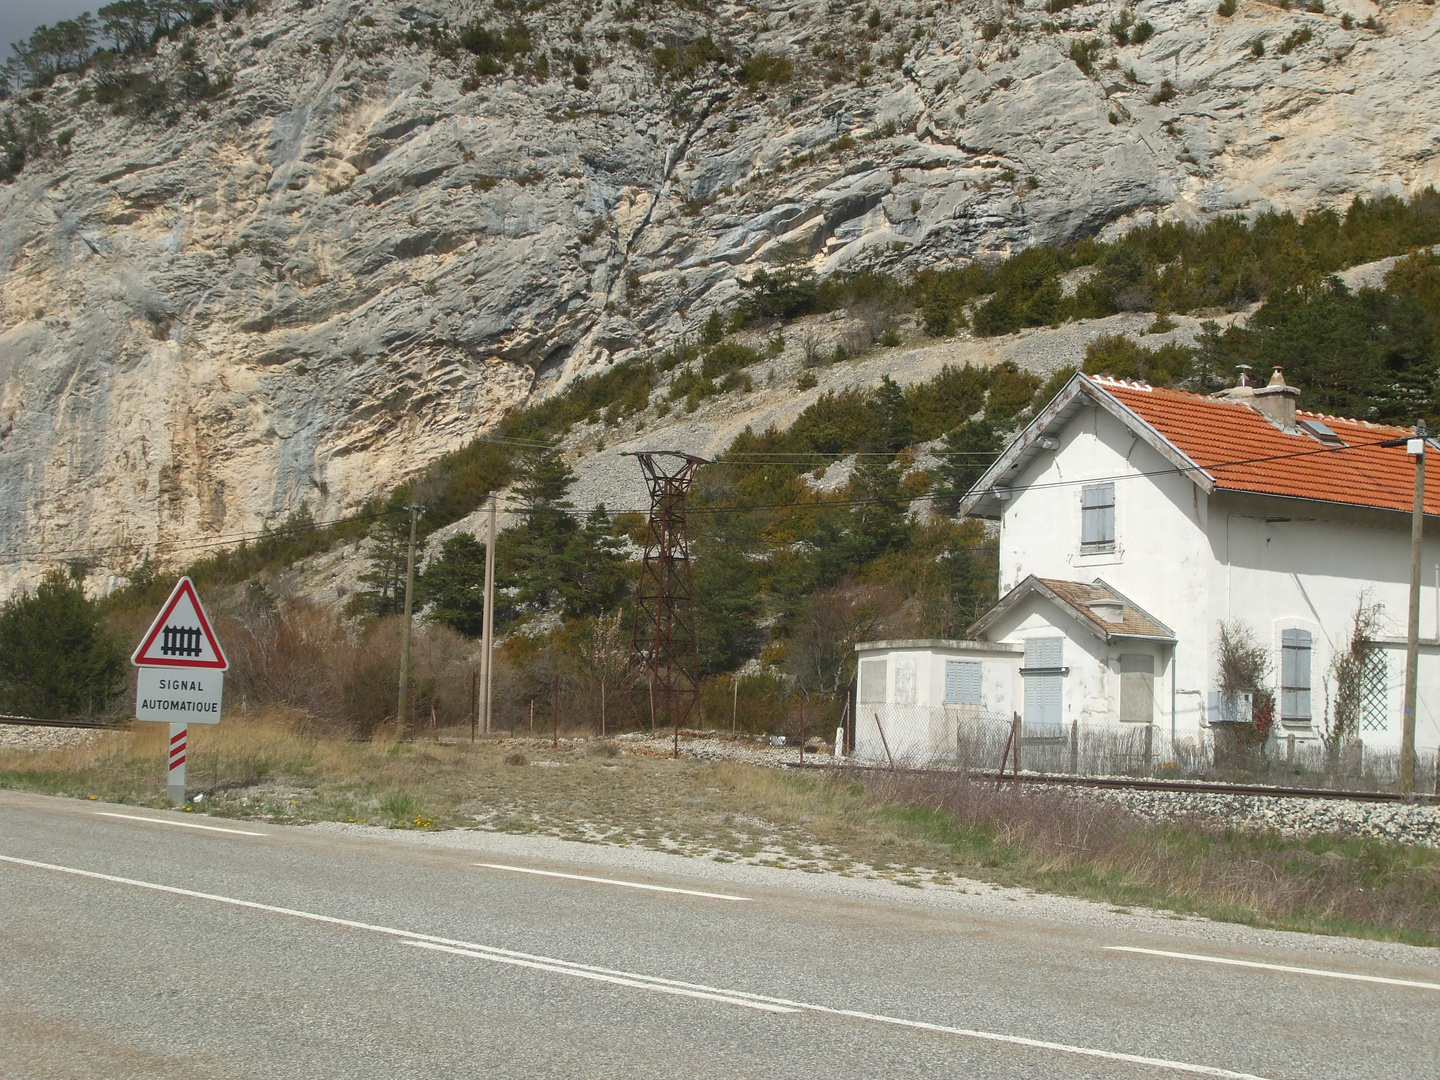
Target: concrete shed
x=913 y=696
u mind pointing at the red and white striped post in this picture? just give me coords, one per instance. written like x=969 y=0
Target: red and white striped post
x=175 y=787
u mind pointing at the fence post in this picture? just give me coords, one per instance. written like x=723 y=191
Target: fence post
x=1289 y=751
x=885 y=742
x=1074 y=747
x=1149 y=749
x=1016 y=730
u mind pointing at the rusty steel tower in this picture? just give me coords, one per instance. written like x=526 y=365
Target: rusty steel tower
x=665 y=647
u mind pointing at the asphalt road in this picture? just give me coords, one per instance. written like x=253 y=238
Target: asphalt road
x=133 y=948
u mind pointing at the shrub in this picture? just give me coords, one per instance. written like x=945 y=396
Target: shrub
x=765 y=68
x=1167 y=92
x=1294 y=40
x=1227 y=8
x=1084 y=53
x=1121 y=357
x=57 y=659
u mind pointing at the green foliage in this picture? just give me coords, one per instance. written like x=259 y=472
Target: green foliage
x=1227 y=8
x=1085 y=51
x=133 y=93
x=766 y=69
x=57 y=660
x=1178 y=267
x=506 y=44
x=1372 y=354
x=965 y=454
x=454 y=585
x=677 y=63
x=388 y=562
x=1121 y=357
x=1294 y=40
x=725 y=357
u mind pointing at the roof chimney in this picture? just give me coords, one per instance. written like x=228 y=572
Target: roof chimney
x=1277 y=400
x=1243 y=390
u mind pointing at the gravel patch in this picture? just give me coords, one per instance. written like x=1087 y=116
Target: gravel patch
x=1404 y=823
x=15 y=737
x=1401 y=822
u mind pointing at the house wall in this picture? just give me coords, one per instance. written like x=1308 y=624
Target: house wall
x=921 y=726
x=1091 y=692
x=1162 y=558
x=1193 y=561
x=1282 y=564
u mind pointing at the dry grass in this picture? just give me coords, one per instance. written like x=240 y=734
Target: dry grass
x=908 y=829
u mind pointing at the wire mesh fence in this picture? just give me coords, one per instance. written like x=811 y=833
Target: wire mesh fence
x=970 y=738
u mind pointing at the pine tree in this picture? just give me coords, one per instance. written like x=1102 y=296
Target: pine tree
x=57 y=658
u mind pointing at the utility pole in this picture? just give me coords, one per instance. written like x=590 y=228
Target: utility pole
x=1415 y=447
x=401 y=722
x=488 y=634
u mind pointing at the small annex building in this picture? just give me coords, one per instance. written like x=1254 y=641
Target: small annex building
x=1134 y=521
x=1056 y=652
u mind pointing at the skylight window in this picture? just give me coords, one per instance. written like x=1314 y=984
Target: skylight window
x=1320 y=430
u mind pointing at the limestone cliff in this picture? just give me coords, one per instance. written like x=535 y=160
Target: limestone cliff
x=363 y=250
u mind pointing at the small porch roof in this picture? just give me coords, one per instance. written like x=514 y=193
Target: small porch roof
x=1096 y=606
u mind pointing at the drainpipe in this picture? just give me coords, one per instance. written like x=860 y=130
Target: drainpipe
x=1174 y=693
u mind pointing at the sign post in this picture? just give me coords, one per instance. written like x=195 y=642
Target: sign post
x=182 y=676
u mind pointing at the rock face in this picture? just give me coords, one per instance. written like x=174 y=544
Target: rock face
x=363 y=252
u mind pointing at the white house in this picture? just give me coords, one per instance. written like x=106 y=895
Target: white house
x=1134 y=521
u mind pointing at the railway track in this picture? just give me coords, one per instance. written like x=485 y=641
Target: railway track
x=100 y=725
x=1125 y=783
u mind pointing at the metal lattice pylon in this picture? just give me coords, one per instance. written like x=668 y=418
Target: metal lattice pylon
x=665 y=648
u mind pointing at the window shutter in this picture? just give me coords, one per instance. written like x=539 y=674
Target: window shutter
x=1295 y=652
x=1097 y=515
x=1044 y=652
x=962 y=682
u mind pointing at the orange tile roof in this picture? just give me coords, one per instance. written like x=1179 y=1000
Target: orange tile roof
x=1232 y=441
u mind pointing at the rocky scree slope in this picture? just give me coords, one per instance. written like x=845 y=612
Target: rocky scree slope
x=368 y=247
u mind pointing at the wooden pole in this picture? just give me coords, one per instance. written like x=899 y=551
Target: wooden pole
x=402 y=712
x=734 y=704
x=487 y=648
x=474 y=704
x=555 y=712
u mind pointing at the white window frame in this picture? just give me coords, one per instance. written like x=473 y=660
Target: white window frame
x=871 y=677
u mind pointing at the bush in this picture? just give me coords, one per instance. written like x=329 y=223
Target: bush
x=1084 y=52
x=57 y=658
x=765 y=68
x=1120 y=357
x=1227 y=8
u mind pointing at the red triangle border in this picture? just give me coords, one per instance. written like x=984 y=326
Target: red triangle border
x=182 y=587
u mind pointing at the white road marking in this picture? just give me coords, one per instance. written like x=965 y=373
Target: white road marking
x=585 y=972
x=611 y=881
x=179 y=824
x=648 y=982
x=1276 y=967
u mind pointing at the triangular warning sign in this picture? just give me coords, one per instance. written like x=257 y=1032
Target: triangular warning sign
x=180 y=636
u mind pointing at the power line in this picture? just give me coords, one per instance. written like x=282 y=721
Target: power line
x=821 y=503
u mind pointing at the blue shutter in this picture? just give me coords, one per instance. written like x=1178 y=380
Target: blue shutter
x=962 y=682
x=1295 y=652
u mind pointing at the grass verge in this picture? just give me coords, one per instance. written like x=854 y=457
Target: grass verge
x=907 y=829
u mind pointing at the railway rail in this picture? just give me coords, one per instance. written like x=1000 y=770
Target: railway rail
x=1131 y=783
x=31 y=721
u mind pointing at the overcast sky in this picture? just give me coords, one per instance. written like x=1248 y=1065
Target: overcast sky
x=19 y=17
